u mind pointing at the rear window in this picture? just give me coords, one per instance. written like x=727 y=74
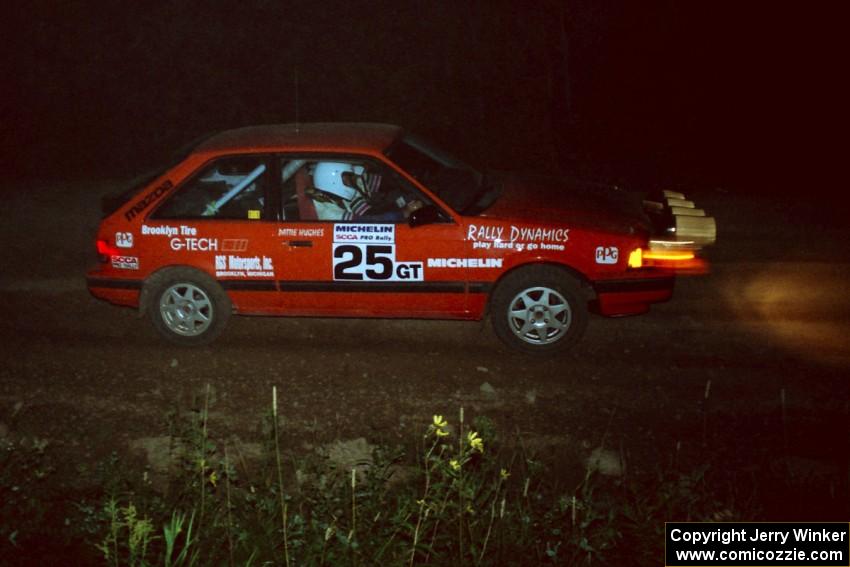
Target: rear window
x=228 y=188
x=114 y=201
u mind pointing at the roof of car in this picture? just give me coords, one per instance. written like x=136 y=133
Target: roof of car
x=316 y=136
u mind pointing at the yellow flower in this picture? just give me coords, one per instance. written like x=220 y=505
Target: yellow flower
x=438 y=425
x=504 y=474
x=454 y=464
x=475 y=441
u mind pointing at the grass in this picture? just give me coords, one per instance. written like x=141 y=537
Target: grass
x=461 y=502
x=455 y=496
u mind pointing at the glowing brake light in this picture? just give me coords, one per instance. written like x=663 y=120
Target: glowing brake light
x=105 y=250
x=636 y=258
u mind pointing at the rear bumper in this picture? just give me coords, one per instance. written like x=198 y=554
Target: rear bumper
x=632 y=296
x=115 y=290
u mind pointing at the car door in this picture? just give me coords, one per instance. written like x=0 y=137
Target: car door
x=371 y=264
x=220 y=220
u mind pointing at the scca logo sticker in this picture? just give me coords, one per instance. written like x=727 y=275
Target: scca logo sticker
x=607 y=254
x=125 y=262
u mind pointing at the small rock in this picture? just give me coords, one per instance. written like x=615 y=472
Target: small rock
x=802 y=469
x=400 y=475
x=345 y=455
x=531 y=396
x=482 y=369
x=301 y=477
x=605 y=462
x=174 y=363
x=161 y=452
x=487 y=390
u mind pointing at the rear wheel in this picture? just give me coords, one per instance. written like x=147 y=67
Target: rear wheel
x=539 y=310
x=188 y=307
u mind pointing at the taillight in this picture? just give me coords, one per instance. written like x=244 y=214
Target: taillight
x=106 y=250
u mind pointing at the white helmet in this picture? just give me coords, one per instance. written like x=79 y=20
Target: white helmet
x=328 y=177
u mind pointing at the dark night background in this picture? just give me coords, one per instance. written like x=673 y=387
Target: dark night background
x=739 y=105
x=737 y=95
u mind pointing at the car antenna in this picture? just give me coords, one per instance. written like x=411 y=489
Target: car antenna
x=296 y=101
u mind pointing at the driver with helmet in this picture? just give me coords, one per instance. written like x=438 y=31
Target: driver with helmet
x=343 y=191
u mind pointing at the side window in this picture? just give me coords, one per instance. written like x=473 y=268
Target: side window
x=337 y=189
x=229 y=188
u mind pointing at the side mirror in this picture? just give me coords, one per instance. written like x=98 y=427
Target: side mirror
x=429 y=214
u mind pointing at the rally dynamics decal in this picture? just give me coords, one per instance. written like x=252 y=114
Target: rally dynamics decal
x=517 y=238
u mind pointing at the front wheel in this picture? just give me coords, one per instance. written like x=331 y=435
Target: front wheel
x=188 y=307
x=539 y=310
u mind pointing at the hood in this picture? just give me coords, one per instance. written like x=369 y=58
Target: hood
x=579 y=204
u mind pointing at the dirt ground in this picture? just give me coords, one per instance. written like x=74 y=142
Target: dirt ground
x=748 y=364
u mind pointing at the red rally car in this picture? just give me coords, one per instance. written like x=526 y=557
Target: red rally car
x=367 y=220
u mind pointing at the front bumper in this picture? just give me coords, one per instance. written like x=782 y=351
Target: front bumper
x=632 y=296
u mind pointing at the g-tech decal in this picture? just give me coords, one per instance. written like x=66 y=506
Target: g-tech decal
x=230 y=266
x=607 y=254
x=124 y=239
x=145 y=201
x=125 y=262
x=234 y=244
x=185 y=237
x=194 y=244
x=464 y=262
x=372 y=262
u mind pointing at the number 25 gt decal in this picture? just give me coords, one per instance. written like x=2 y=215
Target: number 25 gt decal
x=373 y=262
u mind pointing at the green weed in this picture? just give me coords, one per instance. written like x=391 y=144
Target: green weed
x=454 y=500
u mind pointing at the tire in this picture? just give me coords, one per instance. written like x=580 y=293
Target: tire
x=187 y=307
x=539 y=310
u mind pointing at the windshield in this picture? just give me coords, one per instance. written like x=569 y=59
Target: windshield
x=459 y=185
